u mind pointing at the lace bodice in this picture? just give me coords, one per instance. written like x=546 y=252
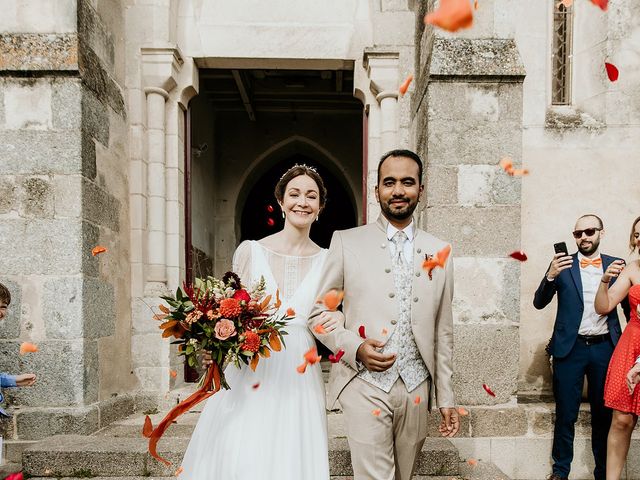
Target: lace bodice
x=288 y=270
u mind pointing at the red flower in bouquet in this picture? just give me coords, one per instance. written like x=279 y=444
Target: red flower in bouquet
x=230 y=308
x=242 y=295
x=251 y=342
x=224 y=329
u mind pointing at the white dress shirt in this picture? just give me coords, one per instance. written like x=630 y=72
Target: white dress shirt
x=592 y=323
x=408 y=244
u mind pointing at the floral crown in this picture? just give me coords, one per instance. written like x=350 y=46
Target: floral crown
x=300 y=165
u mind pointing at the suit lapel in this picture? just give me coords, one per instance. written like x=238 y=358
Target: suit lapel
x=575 y=273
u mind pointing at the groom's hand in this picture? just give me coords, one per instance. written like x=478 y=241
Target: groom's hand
x=373 y=360
x=450 y=422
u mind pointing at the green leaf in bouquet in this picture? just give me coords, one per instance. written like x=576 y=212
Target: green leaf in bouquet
x=189 y=350
x=191 y=360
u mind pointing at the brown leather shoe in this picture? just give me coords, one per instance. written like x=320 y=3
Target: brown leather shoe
x=555 y=476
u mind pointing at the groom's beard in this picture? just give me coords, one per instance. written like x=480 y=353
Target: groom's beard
x=398 y=214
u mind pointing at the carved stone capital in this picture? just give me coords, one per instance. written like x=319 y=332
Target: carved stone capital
x=160 y=67
x=383 y=69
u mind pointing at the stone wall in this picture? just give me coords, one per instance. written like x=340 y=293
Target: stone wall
x=468 y=115
x=62 y=144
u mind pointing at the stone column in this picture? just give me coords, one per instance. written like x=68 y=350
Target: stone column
x=160 y=67
x=383 y=69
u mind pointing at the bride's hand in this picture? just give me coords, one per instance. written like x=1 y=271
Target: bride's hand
x=207 y=359
x=328 y=321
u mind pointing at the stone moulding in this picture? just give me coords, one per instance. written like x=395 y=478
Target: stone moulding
x=482 y=59
x=38 y=52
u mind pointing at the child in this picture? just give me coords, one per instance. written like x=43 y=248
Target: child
x=6 y=380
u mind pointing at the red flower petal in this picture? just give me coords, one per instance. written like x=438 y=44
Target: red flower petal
x=519 y=255
x=361 y=331
x=612 y=71
x=488 y=390
x=417 y=400
x=336 y=358
x=255 y=386
x=601 y=3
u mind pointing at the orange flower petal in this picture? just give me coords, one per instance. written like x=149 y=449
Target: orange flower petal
x=417 y=400
x=319 y=329
x=385 y=331
x=439 y=262
x=173 y=373
x=332 y=299
x=27 y=347
x=472 y=461
x=463 y=412
x=97 y=250
x=147 y=428
x=254 y=362
x=164 y=309
x=475 y=4
x=376 y=412
x=506 y=164
x=291 y=312
x=405 y=85
x=179 y=471
x=452 y=15
x=302 y=368
x=311 y=356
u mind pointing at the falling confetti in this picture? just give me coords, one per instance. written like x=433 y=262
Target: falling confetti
x=472 y=461
x=463 y=412
x=97 y=250
x=173 y=373
x=271 y=222
x=385 y=331
x=179 y=471
x=361 y=331
x=439 y=261
x=319 y=329
x=376 y=412
x=291 y=312
x=405 y=85
x=332 y=299
x=336 y=358
x=612 y=71
x=488 y=390
x=147 y=429
x=452 y=15
x=255 y=386
x=519 y=255
x=27 y=347
x=601 y=3
x=417 y=400
x=311 y=356
x=475 y=4
x=302 y=368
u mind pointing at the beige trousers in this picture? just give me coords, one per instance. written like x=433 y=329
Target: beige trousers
x=386 y=446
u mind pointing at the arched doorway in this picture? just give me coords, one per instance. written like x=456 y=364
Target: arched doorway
x=261 y=215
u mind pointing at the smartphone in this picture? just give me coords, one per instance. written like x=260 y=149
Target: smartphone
x=561 y=248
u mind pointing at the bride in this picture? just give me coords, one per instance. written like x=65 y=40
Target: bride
x=272 y=423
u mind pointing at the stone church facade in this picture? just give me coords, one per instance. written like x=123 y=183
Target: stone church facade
x=157 y=127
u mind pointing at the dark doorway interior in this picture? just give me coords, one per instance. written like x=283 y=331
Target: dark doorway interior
x=261 y=215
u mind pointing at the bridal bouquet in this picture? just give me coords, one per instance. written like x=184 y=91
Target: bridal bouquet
x=223 y=318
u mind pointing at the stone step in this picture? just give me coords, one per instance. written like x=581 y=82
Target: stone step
x=94 y=456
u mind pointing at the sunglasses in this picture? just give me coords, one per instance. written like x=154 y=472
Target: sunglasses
x=587 y=231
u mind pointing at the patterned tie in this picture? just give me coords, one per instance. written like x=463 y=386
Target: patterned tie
x=398 y=240
x=596 y=262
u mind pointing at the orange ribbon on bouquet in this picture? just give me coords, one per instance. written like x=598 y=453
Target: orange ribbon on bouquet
x=211 y=385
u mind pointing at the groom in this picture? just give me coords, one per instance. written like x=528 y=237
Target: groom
x=386 y=382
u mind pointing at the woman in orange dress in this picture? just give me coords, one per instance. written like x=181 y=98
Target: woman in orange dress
x=618 y=395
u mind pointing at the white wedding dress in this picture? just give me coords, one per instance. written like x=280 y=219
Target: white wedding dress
x=277 y=431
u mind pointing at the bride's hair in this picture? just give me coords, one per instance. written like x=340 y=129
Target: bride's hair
x=296 y=171
x=632 y=236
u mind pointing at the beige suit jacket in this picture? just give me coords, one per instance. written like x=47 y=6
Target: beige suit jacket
x=359 y=263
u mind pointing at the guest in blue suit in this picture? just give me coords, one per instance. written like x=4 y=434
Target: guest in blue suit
x=582 y=344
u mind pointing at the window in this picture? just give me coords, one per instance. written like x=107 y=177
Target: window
x=561 y=54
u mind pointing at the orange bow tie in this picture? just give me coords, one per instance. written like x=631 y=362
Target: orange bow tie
x=585 y=262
